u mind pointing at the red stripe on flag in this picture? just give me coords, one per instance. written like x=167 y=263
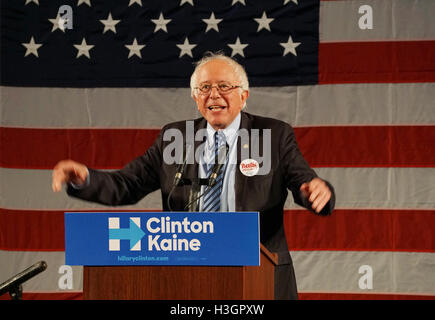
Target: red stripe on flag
x=98 y=148
x=362 y=62
x=335 y=146
x=32 y=230
x=368 y=146
x=344 y=230
x=360 y=296
x=361 y=230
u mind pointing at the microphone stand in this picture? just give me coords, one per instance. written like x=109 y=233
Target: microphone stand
x=209 y=182
x=196 y=183
x=16 y=292
x=195 y=190
x=14 y=284
x=193 y=196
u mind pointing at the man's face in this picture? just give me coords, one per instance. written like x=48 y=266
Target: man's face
x=219 y=109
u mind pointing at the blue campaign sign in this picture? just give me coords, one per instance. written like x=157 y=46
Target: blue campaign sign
x=162 y=238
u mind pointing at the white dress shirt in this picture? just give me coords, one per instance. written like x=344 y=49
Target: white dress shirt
x=228 y=196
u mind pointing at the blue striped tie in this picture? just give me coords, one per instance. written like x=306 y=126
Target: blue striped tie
x=212 y=200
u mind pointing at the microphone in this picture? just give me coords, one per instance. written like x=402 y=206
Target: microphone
x=14 y=282
x=219 y=163
x=178 y=175
x=181 y=167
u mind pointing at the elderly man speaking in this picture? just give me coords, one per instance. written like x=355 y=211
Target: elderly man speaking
x=220 y=89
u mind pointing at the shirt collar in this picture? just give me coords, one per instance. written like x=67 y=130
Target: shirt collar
x=230 y=132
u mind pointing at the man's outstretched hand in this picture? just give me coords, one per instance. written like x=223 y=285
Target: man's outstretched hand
x=317 y=192
x=68 y=171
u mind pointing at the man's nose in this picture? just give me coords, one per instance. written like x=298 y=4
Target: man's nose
x=214 y=93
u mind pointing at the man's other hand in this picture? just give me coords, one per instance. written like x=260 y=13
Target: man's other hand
x=68 y=171
x=317 y=193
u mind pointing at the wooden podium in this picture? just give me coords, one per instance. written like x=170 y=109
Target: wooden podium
x=182 y=282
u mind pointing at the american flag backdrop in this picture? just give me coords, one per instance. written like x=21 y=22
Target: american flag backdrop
x=97 y=80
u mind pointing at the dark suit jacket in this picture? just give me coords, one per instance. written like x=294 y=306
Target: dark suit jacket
x=263 y=193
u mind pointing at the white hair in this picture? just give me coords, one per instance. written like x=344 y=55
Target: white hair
x=209 y=56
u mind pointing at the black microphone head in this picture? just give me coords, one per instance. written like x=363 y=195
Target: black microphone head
x=42 y=265
x=212 y=179
x=33 y=270
x=180 y=168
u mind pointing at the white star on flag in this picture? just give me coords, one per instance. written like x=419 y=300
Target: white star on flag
x=186 y=1
x=139 y=2
x=186 y=48
x=83 y=49
x=263 y=22
x=88 y=2
x=35 y=1
x=241 y=1
x=212 y=23
x=287 y=1
x=237 y=48
x=290 y=46
x=109 y=24
x=161 y=23
x=135 y=49
x=31 y=47
x=58 y=23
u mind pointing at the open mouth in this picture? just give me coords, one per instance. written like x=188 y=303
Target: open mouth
x=216 y=108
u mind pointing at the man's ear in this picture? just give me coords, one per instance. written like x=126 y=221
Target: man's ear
x=245 y=95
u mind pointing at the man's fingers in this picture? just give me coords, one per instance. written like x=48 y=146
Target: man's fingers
x=59 y=177
x=321 y=201
x=315 y=199
x=314 y=189
x=55 y=186
x=317 y=192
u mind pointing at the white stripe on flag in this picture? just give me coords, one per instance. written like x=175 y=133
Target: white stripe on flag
x=346 y=104
x=339 y=271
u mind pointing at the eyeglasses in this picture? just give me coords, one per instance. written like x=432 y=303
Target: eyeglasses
x=222 y=87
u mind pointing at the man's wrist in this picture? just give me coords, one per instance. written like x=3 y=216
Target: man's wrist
x=82 y=185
